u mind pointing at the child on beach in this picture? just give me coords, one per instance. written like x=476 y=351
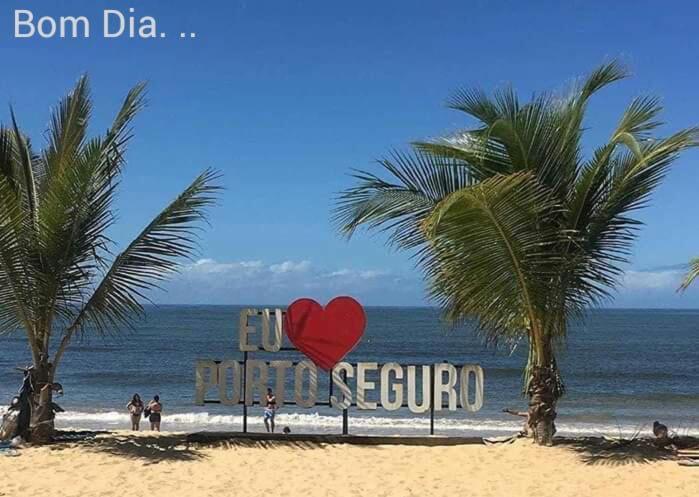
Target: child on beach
x=155 y=408
x=135 y=408
x=270 y=408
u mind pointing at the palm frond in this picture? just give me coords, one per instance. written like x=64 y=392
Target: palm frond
x=481 y=156
x=603 y=76
x=610 y=190
x=476 y=103
x=150 y=258
x=691 y=275
x=55 y=210
x=639 y=119
x=24 y=160
x=77 y=212
x=536 y=234
x=9 y=169
x=490 y=258
x=417 y=183
x=15 y=291
x=68 y=128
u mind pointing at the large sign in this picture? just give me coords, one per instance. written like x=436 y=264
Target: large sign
x=325 y=336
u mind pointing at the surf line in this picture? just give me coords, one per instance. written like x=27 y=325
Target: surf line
x=368 y=385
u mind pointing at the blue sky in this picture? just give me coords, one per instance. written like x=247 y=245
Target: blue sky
x=285 y=97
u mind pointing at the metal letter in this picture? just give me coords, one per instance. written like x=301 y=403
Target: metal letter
x=341 y=385
x=363 y=385
x=397 y=387
x=244 y=330
x=440 y=388
x=223 y=368
x=412 y=390
x=280 y=367
x=259 y=383
x=310 y=400
x=202 y=384
x=478 y=375
x=272 y=345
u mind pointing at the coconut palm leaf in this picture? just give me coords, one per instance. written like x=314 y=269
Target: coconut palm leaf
x=399 y=205
x=15 y=311
x=68 y=128
x=149 y=259
x=541 y=136
x=57 y=273
x=691 y=275
x=490 y=258
x=488 y=253
x=77 y=209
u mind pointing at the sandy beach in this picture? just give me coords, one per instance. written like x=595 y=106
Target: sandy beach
x=121 y=463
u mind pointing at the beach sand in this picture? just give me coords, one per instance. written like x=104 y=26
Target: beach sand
x=122 y=464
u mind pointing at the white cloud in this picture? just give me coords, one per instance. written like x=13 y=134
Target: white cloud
x=290 y=267
x=367 y=274
x=255 y=282
x=372 y=273
x=339 y=272
x=210 y=266
x=651 y=280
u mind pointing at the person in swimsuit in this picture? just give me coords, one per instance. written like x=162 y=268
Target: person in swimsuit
x=135 y=408
x=270 y=409
x=526 y=432
x=156 y=409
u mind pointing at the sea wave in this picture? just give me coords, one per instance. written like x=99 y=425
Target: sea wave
x=358 y=424
x=319 y=423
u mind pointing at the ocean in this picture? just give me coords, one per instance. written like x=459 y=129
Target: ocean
x=623 y=369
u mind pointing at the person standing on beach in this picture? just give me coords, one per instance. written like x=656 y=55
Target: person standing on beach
x=135 y=408
x=270 y=409
x=155 y=408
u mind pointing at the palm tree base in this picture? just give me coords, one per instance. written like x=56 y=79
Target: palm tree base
x=42 y=431
x=41 y=428
x=542 y=404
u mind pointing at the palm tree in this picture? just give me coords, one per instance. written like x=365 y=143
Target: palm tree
x=691 y=275
x=512 y=224
x=59 y=278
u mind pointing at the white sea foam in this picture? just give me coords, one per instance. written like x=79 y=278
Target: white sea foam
x=317 y=423
x=359 y=424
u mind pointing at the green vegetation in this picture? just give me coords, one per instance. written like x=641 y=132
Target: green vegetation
x=691 y=275
x=59 y=278
x=513 y=226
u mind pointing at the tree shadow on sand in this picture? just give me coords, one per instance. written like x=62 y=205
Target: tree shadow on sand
x=151 y=449
x=617 y=452
x=268 y=440
x=261 y=444
x=156 y=448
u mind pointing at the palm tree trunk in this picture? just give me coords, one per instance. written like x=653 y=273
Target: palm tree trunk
x=42 y=419
x=544 y=387
x=542 y=404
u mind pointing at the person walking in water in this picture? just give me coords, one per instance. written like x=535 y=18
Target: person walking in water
x=270 y=409
x=135 y=408
x=155 y=408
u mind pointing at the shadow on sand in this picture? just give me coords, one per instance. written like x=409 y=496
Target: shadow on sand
x=155 y=448
x=151 y=449
x=613 y=452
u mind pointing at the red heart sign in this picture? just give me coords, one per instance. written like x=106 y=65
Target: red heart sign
x=327 y=335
